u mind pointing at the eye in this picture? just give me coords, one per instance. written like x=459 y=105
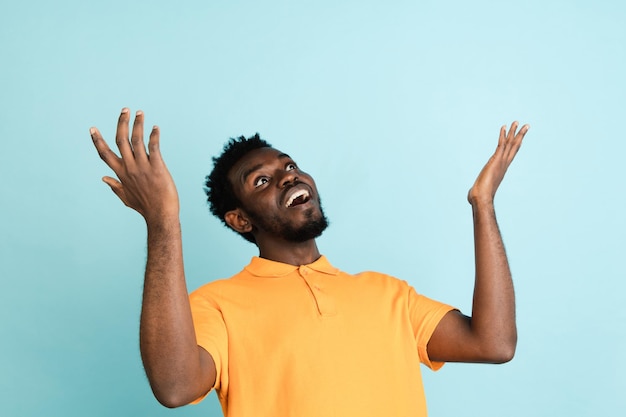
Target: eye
x=290 y=167
x=260 y=181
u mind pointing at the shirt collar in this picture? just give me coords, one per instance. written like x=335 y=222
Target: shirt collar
x=261 y=267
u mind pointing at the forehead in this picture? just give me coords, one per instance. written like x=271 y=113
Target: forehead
x=254 y=160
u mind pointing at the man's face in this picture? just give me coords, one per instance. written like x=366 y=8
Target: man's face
x=280 y=199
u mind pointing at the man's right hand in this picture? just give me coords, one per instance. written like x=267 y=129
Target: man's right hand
x=144 y=184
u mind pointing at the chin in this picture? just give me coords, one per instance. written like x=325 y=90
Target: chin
x=310 y=230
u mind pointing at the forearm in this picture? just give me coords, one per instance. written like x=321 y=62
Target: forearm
x=167 y=339
x=490 y=335
x=493 y=311
x=179 y=371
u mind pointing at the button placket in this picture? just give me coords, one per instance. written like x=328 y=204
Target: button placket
x=324 y=302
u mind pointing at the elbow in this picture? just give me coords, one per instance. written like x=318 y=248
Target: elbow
x=172 y=397
x=502 y=352
x=503 y=356
x=173 y=390
x=170 y=400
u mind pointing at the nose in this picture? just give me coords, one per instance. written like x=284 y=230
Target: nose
x=289 y=177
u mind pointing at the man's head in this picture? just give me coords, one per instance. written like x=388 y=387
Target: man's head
x=257 y=190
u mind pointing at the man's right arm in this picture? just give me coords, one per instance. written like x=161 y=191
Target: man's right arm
x=178 y=369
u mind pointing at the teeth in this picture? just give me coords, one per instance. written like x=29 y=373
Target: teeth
x=295 y=195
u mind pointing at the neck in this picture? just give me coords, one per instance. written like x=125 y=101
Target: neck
x=289 y=252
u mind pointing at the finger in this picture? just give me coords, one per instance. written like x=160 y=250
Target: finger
x=112 y=182
x=136 y=138
x=519 y=137
x=154 y=145
x=516 y=142
x=501 y=143
x=117 y=188
x=522 y=132
x=106 y=154
x=502 y=137
x=511 y=133
x=121 y=137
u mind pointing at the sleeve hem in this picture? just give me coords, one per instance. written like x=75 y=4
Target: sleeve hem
x=422 y=346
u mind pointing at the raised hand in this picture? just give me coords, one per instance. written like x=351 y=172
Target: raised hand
x=489 y=179
x=178 y=370
x=143 y=181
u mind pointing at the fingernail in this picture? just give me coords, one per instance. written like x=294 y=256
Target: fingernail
x=139 y=113
x=92 y=131
x=124 y=110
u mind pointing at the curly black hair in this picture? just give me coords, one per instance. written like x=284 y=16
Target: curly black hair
x=219 y=190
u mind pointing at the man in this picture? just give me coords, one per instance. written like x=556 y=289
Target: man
x=291 y=335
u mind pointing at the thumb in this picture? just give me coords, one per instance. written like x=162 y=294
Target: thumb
x=116 y=187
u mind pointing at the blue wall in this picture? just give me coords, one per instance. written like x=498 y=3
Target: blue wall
x=393 y=108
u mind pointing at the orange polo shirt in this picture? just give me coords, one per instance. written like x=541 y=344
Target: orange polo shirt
x=314 y=341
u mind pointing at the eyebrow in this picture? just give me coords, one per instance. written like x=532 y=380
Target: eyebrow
x=256 y=167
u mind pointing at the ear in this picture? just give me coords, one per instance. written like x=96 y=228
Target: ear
x=238 y=221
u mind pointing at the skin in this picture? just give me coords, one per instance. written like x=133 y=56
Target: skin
x=263 y=179
x=490 y=335
x=178 y=369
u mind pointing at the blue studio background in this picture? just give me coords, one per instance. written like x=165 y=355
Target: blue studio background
x=392 y=106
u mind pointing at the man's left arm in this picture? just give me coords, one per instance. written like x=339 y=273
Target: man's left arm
x=490 y=335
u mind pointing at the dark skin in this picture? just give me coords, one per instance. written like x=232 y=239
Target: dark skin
x=178 y=369
x=264 y=179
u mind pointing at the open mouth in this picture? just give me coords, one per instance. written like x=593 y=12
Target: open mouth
x=297 y=198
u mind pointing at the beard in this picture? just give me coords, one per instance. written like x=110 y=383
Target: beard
x=315 y=224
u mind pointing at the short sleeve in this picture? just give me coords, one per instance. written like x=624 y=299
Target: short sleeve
x=425 y=315
x=211 y=335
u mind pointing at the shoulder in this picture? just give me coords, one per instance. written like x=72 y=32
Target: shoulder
x=218 y=286
x=381 y=281
x=379 y=277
